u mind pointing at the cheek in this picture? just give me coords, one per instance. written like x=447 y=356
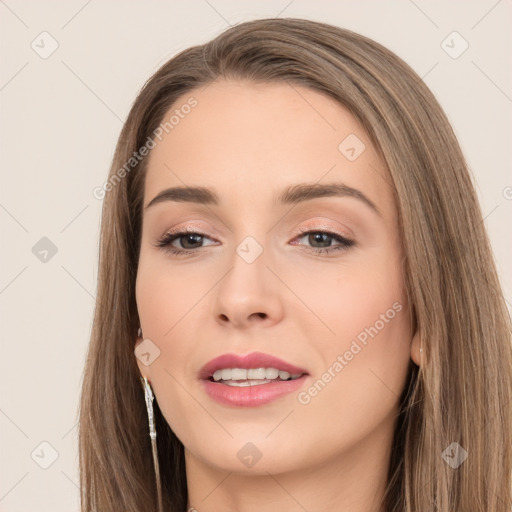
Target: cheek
x=166 y=293
x=365 y=346
x=160 y=311
x=353 y=299
x=167 y=299
x=358 y=390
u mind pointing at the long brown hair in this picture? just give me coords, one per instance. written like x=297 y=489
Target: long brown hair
x=463 y=391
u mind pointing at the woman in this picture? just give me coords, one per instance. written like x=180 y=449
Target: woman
x=293 y=260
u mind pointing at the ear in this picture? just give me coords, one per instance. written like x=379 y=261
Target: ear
x=143 y=369
x=416 y=355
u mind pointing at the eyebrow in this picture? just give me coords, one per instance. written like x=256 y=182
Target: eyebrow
x=293 y=194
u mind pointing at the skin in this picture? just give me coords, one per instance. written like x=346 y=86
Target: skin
x=249 y=141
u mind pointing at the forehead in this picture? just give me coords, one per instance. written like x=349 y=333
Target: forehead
x=253 y=139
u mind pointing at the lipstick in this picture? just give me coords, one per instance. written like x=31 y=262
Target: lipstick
x=250 y=380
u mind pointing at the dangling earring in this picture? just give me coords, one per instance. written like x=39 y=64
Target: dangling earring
x=148 y=394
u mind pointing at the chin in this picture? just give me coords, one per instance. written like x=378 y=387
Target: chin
x=252 y=455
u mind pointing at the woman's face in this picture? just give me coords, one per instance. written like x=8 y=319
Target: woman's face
x=256 y=275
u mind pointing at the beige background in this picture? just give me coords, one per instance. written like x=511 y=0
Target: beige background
x=60 y=118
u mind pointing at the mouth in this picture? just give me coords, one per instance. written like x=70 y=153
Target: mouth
x=250 y=380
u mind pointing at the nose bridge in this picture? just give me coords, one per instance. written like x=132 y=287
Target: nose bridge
x=249 y=290
x=248 y=277
x=250 y=249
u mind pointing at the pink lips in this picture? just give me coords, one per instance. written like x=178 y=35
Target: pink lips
x=249 y=396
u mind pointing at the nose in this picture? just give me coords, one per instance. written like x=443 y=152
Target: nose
x=249 y=294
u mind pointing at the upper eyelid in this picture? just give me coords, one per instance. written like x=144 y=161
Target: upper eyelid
x=318 y=225
x=199 y=231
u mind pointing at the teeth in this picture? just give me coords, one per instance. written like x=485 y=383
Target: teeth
x=237 y=374
x=271 y=373
x=258 y=375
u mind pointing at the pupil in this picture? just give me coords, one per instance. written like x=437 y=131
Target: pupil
x=323 y=236
x=191 y=237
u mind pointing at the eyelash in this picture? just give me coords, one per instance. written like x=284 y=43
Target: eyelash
x=169 y=237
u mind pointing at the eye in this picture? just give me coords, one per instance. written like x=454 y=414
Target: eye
x=324 y=239
x=189 y=240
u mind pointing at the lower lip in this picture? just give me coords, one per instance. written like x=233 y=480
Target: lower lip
x=251 y=396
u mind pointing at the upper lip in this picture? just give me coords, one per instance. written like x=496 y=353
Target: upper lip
x=252 y=360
